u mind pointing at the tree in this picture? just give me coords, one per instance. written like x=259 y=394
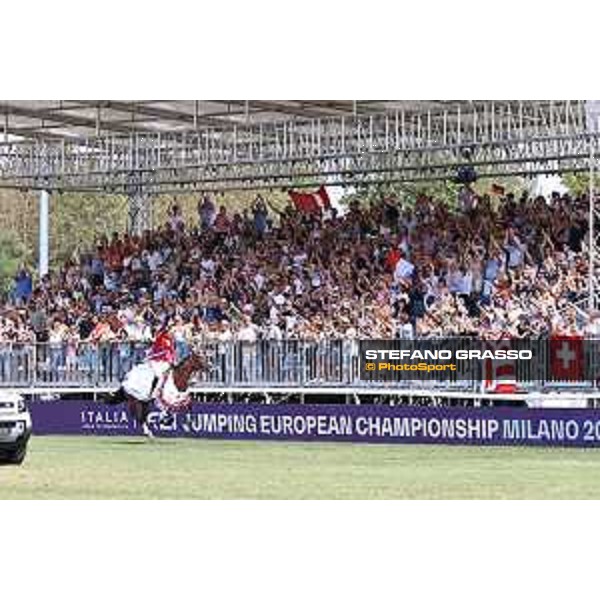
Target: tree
x=579 y=183
x=445 y=191
x=13 y=254
x=77 y=220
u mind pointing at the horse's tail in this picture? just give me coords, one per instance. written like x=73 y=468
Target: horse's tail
x=117 y=397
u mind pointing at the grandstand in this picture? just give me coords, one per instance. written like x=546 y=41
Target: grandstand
x=281 y=300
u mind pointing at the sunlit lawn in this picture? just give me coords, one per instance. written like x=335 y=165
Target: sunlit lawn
x=103 y=467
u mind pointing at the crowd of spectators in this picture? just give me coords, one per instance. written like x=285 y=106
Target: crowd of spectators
x=492 y=265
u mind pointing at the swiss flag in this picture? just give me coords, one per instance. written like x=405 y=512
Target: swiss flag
x=311 y=203
x=566 y=358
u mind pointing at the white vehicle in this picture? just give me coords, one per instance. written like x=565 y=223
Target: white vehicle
x=15 y=428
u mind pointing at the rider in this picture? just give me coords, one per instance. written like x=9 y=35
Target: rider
x=163 y=347
x=162 y=357
x=159 y=360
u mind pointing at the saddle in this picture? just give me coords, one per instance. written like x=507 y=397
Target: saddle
x=151 y=381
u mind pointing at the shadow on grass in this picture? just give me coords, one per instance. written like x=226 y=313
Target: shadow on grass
x=142 y=442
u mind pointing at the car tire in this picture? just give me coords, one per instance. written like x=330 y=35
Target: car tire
x=17 y=456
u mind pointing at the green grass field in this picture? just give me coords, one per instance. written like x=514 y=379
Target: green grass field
x=99 y=467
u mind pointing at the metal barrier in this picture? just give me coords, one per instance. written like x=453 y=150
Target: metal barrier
x=269 y=364
x=265 y=364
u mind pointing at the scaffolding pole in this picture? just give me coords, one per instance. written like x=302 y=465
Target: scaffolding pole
x=140 y=213
x=44 y=233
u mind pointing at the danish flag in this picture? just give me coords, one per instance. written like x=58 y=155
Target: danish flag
x=566 y=358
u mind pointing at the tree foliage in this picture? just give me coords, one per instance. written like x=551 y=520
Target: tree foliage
x=579 y=183
x=13 y=254
x=445 y=191
x=77 y=220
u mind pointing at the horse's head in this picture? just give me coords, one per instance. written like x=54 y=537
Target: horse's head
x=196 y=362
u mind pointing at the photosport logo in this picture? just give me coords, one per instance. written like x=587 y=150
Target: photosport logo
x=566 y=359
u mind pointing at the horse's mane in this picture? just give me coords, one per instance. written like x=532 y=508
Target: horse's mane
x=189 y=358
x=181 y=369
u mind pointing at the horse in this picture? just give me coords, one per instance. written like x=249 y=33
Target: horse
x=142 y=385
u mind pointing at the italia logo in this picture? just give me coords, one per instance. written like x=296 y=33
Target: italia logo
x=105 y=419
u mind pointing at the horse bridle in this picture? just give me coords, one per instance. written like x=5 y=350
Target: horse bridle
x=206 y=365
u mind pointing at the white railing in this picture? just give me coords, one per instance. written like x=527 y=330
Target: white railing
x=264 y=365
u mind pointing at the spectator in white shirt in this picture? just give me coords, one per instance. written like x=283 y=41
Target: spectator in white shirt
x=248 y=332
x=404 y=269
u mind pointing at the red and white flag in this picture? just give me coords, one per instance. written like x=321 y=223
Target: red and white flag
x=500 y=374
x=566 y=358
x=314 y=202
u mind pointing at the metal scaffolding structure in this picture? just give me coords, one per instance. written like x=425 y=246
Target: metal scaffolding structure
x=503 y=139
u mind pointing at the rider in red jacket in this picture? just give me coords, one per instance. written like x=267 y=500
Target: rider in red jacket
x=163 y=347
x=161 y=358
x=162 y=351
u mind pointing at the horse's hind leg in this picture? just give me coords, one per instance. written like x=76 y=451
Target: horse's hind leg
x=141 y=410
x=145 y=411
x=136 y=409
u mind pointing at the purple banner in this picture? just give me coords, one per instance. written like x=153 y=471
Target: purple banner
x=347 y=423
